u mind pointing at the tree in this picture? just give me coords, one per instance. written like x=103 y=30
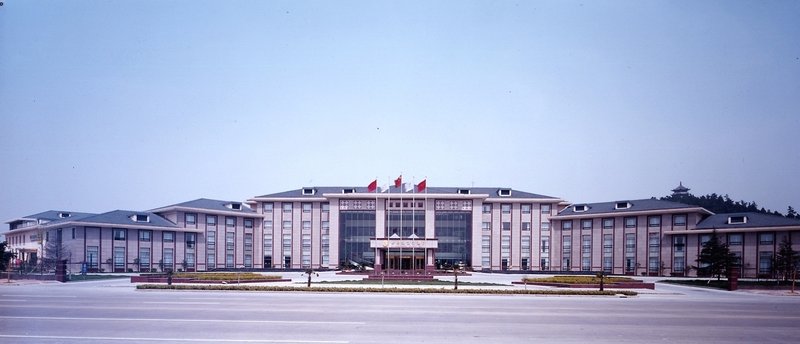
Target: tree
x=787 y=260
x=54 y=251
x=715 y=258
x=791 y=213
x=5 y=256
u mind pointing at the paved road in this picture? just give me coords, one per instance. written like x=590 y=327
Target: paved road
x=113 y=312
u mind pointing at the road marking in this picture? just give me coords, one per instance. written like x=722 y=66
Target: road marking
x=180 y=303
x=193 y=320
x=153 y=339
x=13 y=300
x=43 y=296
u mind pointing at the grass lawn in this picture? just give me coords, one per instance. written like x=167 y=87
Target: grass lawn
x=577 y=279
x=81 y=278
x=723 y=284
x=401 y=282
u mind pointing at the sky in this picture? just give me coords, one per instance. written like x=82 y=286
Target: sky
x=135 y=105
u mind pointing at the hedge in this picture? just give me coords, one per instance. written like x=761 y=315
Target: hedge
x=387 y=290
x=578 y=279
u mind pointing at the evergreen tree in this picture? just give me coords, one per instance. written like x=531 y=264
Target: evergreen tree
x=5 y=256
x=791 y=213
x=787 y=260
x=715 y=258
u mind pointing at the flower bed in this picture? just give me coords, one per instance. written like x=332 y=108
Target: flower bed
x=588 y=282
x=208 y=278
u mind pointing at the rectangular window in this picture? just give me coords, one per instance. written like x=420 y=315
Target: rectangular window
x=679 y=220
x=190 y=239
x=679 y=243
x=190 y=259
x=486 y=226
x=654 y=221
x=169 y=258
x=545 y=209
x=487 y=208
x=211 y=220
x=526 y=226
x=230 y=243
x=144 y=258
x=326 y=207
x=248 y=242
x=608 y=223
x=586 y=244
x=169 y=236
x=526 y=208
x=248 y=223
x=190 y=219
x=630 y=222
x=486 y=244
x=287 y=226
x=735 y=239
x=306 y=207
x=211 y=260
x=211 y=239
x=654 y=252
x=229 y=261
x=545 y=244
x=505 y=208
x=566 y=245
x=586 y=224
x=306 y=226
x=119 y=234
x=766 y=238
x=248 y=260
x=267 y=207
x=92 y=256
x=287 y=207
x=268 y=225
x=230 y=222
x=566 y=225
x=119 y=258
x=765 y=262
x=630 y=244
x=545 y=226
x=506 y=226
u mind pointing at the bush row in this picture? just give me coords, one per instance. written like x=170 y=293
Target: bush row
x=224 y=276
x=578 y=279
x=389 y=290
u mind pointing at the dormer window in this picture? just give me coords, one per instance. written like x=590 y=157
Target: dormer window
x=64 y=215
x=736 y=220
x=622 y=205
x=463 y=191
x=235 y=206
x=140 y=218
x=309 y=191
x=504 y=192
x=348 y=191
x=580 y=208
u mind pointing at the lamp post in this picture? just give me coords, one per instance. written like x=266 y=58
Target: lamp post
x=456 y=269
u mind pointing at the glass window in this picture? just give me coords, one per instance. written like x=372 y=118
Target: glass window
x=679 y=220
x=545 y=226
x=169 y=258
x=306 y=226
x=735 y=239
x=169 y=236
x=545 y=244
x=326 y=207
x=306 y=207
x=248 y=242
x=287 y=226
x=230 y=243
x=248 y=223
x=608 y=223
x=505 y=208
x=119 y=258
x=526 y=208
x=486 y=226
x=566 y=225
x=287 y=207
x=267 y=207
x=191 y=219
x=630 y=222
x=526 y=226
x=230 y=222
x=92 y=256
x=766 y=238
x=546 y=208
x=765 y=262
x=190 y=239
x=654 y=221
x=119 y=234
x=211 y=220
x=144 y=258
x=586 y=224
x=268 y=225
x=487 y=208
x=506 y=226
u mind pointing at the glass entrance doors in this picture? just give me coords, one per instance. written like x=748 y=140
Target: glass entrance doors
x=404 y=261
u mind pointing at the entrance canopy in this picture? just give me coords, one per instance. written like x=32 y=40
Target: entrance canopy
x=388 y=243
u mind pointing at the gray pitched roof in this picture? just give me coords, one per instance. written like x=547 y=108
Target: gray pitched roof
x=212 y=204
x=720 y=221
x=123 y=217
x=636 y=205
x=55 y=215
x=319 y=190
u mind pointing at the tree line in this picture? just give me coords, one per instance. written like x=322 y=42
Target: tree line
x=724 y=204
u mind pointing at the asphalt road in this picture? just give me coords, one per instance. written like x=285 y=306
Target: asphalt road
x=113 y=312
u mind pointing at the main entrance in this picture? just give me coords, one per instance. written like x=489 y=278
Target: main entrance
x=398 y=261
x=404 y=256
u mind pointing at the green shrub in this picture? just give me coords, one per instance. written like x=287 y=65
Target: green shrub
x=578 y=279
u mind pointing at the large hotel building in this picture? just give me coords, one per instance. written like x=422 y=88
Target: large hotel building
x=401 y=231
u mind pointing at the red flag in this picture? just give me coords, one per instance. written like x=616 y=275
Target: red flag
x=373 y=186
x=398 y=181
x=422 y=185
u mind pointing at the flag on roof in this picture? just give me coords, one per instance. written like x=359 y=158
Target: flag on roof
x=422 y=185
x=398 y=181
x=372 y=186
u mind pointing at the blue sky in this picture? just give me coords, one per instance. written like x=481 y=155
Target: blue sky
x=138 y=104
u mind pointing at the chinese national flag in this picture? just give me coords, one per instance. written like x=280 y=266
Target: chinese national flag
x=422 y=185
x=373 y=186
x=398 y=181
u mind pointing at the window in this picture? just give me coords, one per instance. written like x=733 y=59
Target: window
x=505 y=208
x=735 y=220
x=230 y=222
x=734 y=239
x=190 y=219
x=545 y=244
x=73 y=233
x=190 y=260
x=580 y=208
x=248 y=242
x=248 y=223
x=119 y=234
x=679 y=220
x=486 y=226
x=679 y=253
x=586 y=224
x=630 y=222
x=190 y=240
x=526 y=208
x=248 y=261
x=144 y=258
x=654 y=221
x=608 y=252
x=306 y=226
x=326 y=207
x=704 y=239
x=268 y=225
x=229 y=261
x=92 y=256
x=235 y=206
x=504 y=192
x=309 y=191
x=506 y=226
x=630 y=252
x=526 y=226
x=487 y=208
x=306 y=207
x=169 y=258
x=654 y=252
x=679 y=243
x=119 y=258
x=545 y=226
x=230 y=243
x=765 y=262
x=566 y=245
x=287 y=226
x=566 y=225
x=140 y=218
x=267 y=207
x=545 y=208
x=622 y=205
x=211 y=220
x=608 y=223
x=766 y=238
x=287 y=207
x=169 y=236
x=211 y=239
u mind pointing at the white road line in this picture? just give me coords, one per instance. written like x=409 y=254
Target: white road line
x=43 y=296
x=203 y=340
x=192 y=320
x=13 y=300
x=180 y=303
